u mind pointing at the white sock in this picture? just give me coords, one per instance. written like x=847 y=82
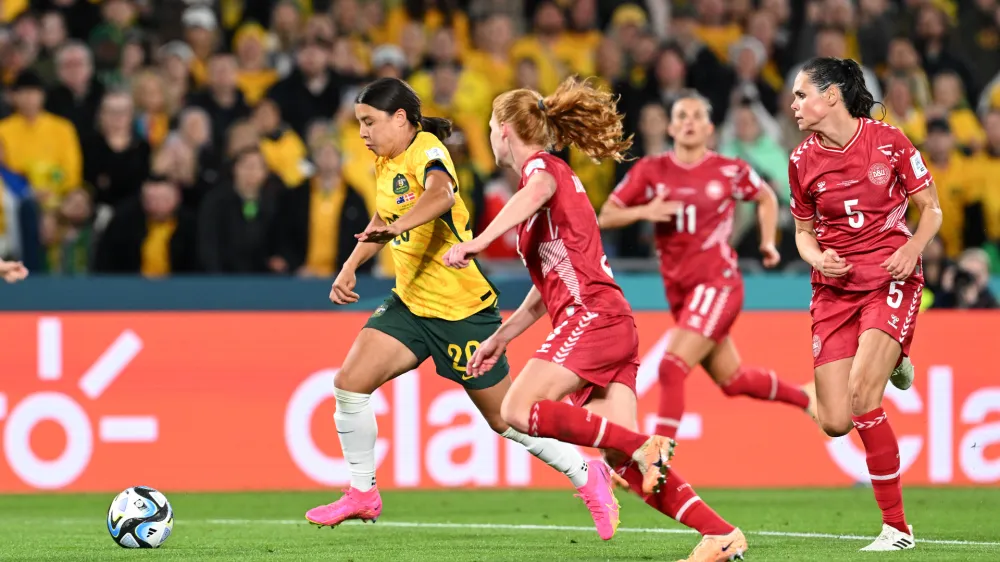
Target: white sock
x=561 y=456
x=357 y=430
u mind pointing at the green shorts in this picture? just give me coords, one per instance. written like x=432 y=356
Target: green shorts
x=450 y=342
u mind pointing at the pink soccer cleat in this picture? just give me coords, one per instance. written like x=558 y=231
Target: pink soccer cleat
x=354 y=504
x=600 y=499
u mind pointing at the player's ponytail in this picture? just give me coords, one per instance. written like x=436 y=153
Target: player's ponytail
x=847 y=75
x=576 y=114
x=392 y=94
x=437 y=126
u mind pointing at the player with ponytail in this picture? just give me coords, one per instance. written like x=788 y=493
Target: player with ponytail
x=592 y=353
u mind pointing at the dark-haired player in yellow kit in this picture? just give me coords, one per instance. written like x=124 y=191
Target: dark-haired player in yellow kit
x=433 y=312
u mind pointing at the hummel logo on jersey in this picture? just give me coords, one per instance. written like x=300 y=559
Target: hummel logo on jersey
x=894 y=321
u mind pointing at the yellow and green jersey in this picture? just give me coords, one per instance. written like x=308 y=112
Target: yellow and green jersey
x=425 y=285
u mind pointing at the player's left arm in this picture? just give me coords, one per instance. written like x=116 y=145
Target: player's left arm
x=523 y=205
x=767 y=219
x=437 y=198
x=904 y=260
x=915 y=178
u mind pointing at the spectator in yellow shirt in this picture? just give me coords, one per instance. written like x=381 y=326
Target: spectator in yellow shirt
x=283 y=149
x=491 y=57
x=715 y=29
x=540 y=46
x=956 y=186
x=900 y=112
x=986 y=167
x=39 y=145
x=950 y=102
x=254 y=76
x=201 y=33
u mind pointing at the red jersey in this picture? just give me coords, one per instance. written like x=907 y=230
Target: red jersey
x=694 y=247
x=857 y=196
x=561 y=247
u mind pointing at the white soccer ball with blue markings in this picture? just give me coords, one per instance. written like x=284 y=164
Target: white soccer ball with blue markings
x=140 y=517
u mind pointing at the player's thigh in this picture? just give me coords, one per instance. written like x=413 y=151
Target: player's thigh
x=616 y=403
x=452 y=343
x=723 y=361
x=833 y=403
x=538 y=380
x=691 y=347
x=707 y=312
x=374 y=359
x=389 y=345
x=489 y=400
x=877 y=355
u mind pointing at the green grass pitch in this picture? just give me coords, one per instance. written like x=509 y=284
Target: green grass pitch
x=515 y=525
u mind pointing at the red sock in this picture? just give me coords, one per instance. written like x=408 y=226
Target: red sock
x=883 y=465
x=673 y=372
x=678 y=501
x=764 y=384
x=578 y=426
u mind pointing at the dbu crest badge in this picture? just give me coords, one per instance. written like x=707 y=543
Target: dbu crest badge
x=400 y=185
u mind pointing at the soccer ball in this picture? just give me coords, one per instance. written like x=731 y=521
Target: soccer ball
x=140 y=517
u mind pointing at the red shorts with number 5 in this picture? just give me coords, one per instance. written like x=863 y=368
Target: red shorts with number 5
x=598 y=348
x=839 y=317
x=709 y=309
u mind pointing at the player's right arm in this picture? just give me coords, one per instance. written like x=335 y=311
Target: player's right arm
x=625 y=205
x=827 y=262
x=342 y=291
x=491 y=350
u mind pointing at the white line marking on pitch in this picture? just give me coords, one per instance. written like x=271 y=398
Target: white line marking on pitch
x=510 y=527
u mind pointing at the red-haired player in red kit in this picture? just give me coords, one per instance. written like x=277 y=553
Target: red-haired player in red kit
x=851 y=182
x=690 y=194
x=592 y=353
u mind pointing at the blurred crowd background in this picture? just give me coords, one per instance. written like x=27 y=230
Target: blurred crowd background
x=163 y=137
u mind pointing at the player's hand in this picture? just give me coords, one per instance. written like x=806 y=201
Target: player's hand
x=769 y=255
x=12 y=271
x=661 y=209
x=902 y=262
x=486 y=356
x=832 y=265
x=378 y=234
x=459 y=255
x=342 y=291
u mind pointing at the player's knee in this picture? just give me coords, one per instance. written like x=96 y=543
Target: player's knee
x=347 y=379
x=836 y=427
x=865 y=393
x=514 y=413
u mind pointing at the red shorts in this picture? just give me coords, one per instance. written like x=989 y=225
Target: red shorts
x=599 y=349
x=709 y=309
x=839 y=317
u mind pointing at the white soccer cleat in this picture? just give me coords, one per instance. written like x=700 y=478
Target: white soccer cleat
x=892 y=539
x=902 y=376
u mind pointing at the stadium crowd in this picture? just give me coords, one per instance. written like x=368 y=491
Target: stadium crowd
x=174 y=136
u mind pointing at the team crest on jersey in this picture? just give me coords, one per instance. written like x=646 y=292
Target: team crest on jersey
x=879 y=173
x=714 y=190
x=400 y=185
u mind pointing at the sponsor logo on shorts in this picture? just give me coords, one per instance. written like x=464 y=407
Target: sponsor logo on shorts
x=879 y=173
x=894 y=321
x=817 y=346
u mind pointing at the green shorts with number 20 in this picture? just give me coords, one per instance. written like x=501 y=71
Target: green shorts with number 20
x=450 y=342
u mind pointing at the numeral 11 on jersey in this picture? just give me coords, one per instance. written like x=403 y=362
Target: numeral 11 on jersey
x=685 y=218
